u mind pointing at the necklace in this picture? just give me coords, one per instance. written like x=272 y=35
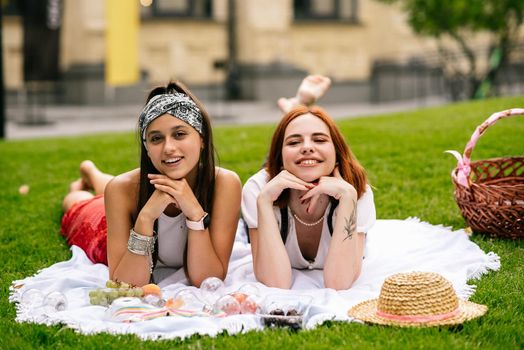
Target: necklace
x=309 y=224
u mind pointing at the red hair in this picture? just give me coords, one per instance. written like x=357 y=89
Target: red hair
x=348 y=165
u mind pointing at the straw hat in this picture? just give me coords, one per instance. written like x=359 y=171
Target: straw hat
x=419 y=299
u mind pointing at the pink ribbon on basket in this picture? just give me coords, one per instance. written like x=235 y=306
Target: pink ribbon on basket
x=463 y=168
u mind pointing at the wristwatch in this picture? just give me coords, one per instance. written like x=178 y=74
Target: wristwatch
x=199 y=225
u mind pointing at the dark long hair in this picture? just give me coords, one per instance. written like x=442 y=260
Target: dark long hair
x=205 y=181
x=348 y=165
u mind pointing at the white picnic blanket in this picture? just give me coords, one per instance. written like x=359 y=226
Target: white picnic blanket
x=392 y=246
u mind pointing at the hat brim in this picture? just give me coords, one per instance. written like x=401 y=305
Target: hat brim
x=366 y=311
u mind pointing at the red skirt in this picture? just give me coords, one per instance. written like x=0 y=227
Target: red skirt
x=84 y=225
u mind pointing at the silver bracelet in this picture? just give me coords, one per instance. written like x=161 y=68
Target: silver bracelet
x=142 y=245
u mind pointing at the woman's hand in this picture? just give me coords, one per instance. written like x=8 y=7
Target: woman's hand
x=279 y=183
x=181 y=194
x=271 y=263
x=156 y=204
x=334 y=186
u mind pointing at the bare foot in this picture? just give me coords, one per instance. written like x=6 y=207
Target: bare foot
x=77 y=185
x=93 y=178
x=312 y=88
x=87 y=170
x=286 y=104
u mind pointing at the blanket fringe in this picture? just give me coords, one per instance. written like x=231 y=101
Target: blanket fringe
x=466 y=291
x=417 y=220
x=492 y=263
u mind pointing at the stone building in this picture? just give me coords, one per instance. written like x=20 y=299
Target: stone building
x=259 y=52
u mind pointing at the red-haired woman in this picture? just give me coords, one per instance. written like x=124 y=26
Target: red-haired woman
x=311 y=206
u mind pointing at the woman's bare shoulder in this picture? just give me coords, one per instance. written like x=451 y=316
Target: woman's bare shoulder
x=126 y=183
x=226 y=177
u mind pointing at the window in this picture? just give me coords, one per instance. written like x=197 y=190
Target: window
x=177 y=8
x=339 y=10
x=10 y=8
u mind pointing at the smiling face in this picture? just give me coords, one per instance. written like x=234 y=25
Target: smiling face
x=173 y=146
x=308 y=151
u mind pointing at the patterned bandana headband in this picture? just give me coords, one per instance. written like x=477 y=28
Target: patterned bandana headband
x=178 y=105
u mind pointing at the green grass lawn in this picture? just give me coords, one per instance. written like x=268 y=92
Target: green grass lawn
x=404 y=156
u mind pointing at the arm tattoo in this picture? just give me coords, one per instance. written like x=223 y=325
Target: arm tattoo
x=351 y=223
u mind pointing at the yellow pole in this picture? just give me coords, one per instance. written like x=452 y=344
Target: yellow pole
x=122 y=42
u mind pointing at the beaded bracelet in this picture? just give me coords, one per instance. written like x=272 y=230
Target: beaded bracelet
x=142 y=245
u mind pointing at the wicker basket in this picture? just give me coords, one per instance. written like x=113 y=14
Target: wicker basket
x=490 y=193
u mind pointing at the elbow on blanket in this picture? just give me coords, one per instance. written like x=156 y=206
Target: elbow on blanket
x=275 y=282
x=338 y=282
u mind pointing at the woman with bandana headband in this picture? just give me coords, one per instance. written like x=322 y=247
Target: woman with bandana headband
x=175 y=216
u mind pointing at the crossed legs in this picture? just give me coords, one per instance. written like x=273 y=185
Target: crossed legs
x=310 y=90
x=92 y=182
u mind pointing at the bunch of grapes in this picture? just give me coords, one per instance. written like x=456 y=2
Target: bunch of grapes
x=113 y=290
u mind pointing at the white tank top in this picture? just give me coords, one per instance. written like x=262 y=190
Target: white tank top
x=172 y=238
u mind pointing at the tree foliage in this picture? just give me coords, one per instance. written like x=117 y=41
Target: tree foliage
x=458 y=20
